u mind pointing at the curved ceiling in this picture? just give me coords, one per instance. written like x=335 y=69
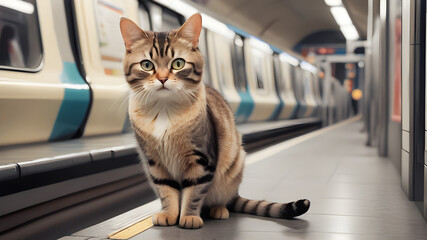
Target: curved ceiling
x=283 y=23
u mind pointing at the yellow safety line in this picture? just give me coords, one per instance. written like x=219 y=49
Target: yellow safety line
x=133 y=230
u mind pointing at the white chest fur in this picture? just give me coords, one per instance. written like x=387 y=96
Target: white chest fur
x=161 y=124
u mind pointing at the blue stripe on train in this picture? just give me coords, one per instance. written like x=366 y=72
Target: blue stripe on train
x=295 y=110
x=245 y=108
x=74 y=105
x=302 y=109
x=238 y=31
x=277 y=110
x=275 y=49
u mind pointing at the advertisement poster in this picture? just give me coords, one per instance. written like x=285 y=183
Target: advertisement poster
x=397 y=99
x=111 y=46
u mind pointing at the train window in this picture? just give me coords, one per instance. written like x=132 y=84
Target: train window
x=221 y=66
x=259 y=82
x=144 y=18
x=163 y=19
x=287 y=77
x=111 y=45
x=297 y=83
x=279 y=75
x=20 y=41
x=239 y=64
x=257 y=65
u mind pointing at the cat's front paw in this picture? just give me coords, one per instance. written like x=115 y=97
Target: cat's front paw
x=163 y=219
x=219 y=213
x=190 y=222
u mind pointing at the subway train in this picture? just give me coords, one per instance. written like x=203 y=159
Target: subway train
x=69 y=82
x=63 y=95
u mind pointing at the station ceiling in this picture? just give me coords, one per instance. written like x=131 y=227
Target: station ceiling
x=284 y=23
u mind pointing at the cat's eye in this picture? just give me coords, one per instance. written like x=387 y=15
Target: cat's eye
x=147 y=65
x=178 y=63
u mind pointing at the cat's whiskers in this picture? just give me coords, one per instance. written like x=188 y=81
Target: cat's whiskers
x=139 y=94
x=195 y=98
x=142 y=96
x=182 y=94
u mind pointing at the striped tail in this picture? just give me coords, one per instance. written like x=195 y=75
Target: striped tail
x=269 y=209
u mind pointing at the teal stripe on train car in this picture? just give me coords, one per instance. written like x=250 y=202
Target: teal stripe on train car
x=277 y=110
x=275 y=49
x=294 y=111
x=74 y=105
x=245 y=108
x=238 y=31
x=301 y=110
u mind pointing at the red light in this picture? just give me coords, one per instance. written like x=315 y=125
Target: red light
x=325 y=51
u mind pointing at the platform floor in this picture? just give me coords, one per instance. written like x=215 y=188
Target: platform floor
x=354 y=193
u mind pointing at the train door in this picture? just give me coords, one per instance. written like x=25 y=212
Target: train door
x=102 y=52
x=207 y=78
x=317 y=94
x=284 y=86
x=42 y=95
x=299 y=91
x=240 y=80
x=308 y=93
x=259 y=66
x=222 y=68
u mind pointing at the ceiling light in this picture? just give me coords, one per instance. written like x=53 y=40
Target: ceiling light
x=333 y=3
x=18 y=5
x=350 y=32
x=341 y=16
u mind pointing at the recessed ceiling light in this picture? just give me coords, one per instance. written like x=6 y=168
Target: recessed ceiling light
x=333 y=3
x=350 y=32
x=341 y=16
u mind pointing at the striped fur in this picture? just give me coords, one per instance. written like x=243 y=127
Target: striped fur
x=269 y=209
x=190 y=148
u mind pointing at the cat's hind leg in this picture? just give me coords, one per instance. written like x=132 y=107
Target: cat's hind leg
x=219 y=212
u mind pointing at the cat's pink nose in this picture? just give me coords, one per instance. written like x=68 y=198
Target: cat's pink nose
x=163 y=80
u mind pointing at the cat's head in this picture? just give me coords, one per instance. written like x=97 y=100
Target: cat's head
x=163 y=66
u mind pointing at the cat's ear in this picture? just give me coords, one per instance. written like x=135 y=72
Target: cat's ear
x=131 y=32
x=190 y=30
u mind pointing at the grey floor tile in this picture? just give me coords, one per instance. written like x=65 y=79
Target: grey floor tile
x=354 y=193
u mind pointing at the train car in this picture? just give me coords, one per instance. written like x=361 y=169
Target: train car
x=283 y=64
x=220 y=65
x=94 y=67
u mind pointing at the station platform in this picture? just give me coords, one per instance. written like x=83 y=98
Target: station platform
x=354 y=195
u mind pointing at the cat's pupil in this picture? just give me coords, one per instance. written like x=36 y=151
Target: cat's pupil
x=178 y=64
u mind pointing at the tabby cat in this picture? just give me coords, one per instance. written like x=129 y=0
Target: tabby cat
x=190 y=148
